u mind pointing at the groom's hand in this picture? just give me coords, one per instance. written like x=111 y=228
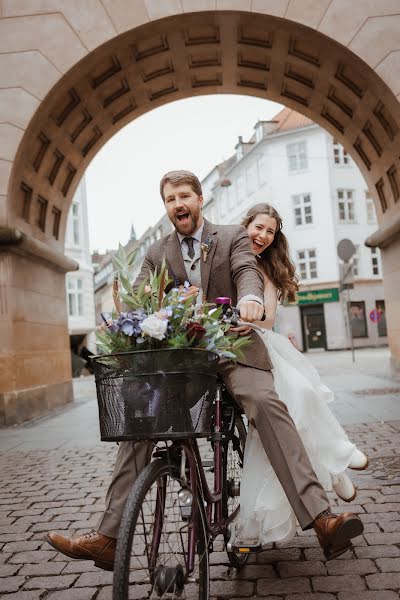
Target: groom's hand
x=251 y=311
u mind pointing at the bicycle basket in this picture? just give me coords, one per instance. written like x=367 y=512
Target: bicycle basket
x=155 y=394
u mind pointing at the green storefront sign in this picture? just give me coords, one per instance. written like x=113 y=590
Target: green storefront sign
x=318 y=296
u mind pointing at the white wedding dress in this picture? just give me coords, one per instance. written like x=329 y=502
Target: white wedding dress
x=265 y=513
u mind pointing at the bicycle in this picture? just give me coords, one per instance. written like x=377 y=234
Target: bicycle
x=172 y=516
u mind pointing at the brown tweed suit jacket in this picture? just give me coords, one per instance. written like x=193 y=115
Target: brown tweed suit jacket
x=230 y=270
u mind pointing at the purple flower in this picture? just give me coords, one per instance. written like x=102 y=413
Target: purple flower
x=128 y=327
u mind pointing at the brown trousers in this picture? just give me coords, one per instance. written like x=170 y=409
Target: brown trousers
x=254 y=391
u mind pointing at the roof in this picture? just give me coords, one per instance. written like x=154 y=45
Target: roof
x=290 y=119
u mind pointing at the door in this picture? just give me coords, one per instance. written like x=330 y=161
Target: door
x=314 y=326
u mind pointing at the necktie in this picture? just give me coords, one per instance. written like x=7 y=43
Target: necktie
x=189 y=241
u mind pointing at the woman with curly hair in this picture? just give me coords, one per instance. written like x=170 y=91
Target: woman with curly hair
x=265 y=513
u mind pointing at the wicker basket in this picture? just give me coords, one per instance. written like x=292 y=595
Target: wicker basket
x=155 y=394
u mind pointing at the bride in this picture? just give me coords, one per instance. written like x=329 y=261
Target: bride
x=265 y=513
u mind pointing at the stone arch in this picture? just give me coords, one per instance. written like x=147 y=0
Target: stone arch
x=155 y=63
x=194 y=54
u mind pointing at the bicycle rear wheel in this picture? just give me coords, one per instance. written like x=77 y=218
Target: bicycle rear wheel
x=233 y=468
x=153 y=541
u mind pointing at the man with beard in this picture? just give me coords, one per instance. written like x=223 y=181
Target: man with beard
x=218 y=261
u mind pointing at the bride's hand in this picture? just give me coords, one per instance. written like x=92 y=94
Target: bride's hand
x=242 y=330
x=189 y=292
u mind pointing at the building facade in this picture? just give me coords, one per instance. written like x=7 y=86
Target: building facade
x=79 y=284
x=295 y=165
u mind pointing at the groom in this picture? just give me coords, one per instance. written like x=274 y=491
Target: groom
x=218 y=260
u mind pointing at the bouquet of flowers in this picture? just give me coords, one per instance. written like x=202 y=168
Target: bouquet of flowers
x=152 y=318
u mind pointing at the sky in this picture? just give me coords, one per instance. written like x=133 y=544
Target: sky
x=195 y=134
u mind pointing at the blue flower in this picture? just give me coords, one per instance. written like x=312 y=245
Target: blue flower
x=128 y=327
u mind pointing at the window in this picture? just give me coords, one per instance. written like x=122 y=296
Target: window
x=358 y=322
x=346 y=206
x=340 y=155
x=302 y=209
x=307 y=264
x=371 y=214
x=75 y=297
x=375 y=261
x=297 y=156
x=75 y=223
x=380 y=307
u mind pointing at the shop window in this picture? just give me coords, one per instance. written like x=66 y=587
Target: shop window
x=358 y=321
x=380 y=307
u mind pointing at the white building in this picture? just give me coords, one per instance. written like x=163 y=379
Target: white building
x=79 y=284
x=295 y=165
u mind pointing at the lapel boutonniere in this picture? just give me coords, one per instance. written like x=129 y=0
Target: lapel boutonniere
x=206 y=246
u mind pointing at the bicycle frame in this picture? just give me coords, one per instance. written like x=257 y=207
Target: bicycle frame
x=197 y=482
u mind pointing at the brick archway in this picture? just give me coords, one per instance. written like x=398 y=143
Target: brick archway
x=156 y=63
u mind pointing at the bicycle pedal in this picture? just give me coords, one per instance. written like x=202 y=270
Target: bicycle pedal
x=247 y=548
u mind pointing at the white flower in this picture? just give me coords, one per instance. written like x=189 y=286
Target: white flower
x=154 y=327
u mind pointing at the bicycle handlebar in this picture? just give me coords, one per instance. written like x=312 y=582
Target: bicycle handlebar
x=230 y=314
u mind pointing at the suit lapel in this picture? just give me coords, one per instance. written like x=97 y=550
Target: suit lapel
x=209 y=235
x=173 y=256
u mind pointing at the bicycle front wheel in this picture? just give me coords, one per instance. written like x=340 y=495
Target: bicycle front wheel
x=233 y=468
x=152 y=553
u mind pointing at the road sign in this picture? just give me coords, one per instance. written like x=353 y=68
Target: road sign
x=375 y=315
x=346 y=249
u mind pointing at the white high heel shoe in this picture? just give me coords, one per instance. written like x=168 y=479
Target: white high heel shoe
x=359 y=460
x=344 y=487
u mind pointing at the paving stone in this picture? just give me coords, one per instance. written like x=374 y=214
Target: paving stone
x=250 y=572
x=21 y=546
x=37 y=556
x=377 y=552
x=58 y=582
x=73 y=594
x=383 y=581
x=358 y=567
x=11 y=584
x=15 y=537
x=46 y=568
x=338 y=583
x=79 y=566
x=382 y=538
x=388 y=565
x=8 y=570
x=232 y=589
x=28 y=595
x=301 y=569
x=312 y=596
x=385 y=595
x=280 y=555
x=266 y=587
x=98 y=577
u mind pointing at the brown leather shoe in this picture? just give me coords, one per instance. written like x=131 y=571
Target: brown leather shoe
x=90 y=546
x=334 y=532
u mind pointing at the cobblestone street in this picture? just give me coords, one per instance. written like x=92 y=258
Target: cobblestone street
x=55 y=473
